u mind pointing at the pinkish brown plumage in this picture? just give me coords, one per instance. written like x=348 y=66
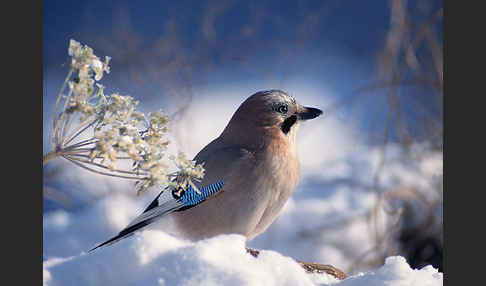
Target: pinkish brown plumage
x=251 y=170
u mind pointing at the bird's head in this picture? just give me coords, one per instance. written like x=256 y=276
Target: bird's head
x=270 y=112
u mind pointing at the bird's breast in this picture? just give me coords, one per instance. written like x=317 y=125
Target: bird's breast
x=281 y=171
x=255 y=189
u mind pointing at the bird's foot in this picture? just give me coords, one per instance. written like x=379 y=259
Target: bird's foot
x=252 y=251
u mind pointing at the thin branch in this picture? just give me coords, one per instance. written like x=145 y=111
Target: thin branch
x=54 y=140
x=57 y=128
x=423 y=32
x=97 y=157
x=100 y=172
x=67 y=124
x=81 y=143
x=100 y=165
x=80 y=129
x=77 y=150
x=66 y=102
x=59 y=95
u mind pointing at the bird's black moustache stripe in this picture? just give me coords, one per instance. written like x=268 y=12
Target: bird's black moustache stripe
x=287 y=124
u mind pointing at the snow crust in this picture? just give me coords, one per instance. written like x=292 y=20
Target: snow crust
x=155 y=258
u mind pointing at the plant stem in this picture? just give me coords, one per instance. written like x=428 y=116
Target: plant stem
x=83 y=126
x=49 y=157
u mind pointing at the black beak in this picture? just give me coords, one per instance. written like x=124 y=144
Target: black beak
x=307 y=113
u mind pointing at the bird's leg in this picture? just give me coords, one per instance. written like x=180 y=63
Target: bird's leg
x=252 y=251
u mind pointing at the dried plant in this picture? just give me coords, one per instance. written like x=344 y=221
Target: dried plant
x=412 y=55
x=109 y=132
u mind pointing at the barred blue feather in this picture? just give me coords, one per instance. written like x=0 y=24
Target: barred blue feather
x=192 y=198
x=163 y=204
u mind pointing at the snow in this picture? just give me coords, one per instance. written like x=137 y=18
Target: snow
x=396 y=272
x=326 y=220
x=155 y=258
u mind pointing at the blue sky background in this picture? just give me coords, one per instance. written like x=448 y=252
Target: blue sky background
x=175 y=54
x=169 y=51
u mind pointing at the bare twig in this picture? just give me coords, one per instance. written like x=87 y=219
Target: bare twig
x=101 y=172
x=310 y=267
x=79 y=129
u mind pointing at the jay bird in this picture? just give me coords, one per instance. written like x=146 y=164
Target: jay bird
x=250 y=171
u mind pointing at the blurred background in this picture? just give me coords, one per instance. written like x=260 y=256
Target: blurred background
x=371 y=166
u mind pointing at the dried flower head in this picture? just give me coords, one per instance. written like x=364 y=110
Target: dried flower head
x=114 y=129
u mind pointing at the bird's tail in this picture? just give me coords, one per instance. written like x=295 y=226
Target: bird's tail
x=160 y=206
x=123 y=234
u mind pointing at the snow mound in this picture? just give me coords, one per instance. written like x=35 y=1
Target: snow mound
x=153 y=257
x=396 y=272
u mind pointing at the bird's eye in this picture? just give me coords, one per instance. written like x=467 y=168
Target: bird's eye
x=282 y=109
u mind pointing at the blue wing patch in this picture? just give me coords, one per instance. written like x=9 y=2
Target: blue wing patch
x=191 y=197
x=164 y=203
